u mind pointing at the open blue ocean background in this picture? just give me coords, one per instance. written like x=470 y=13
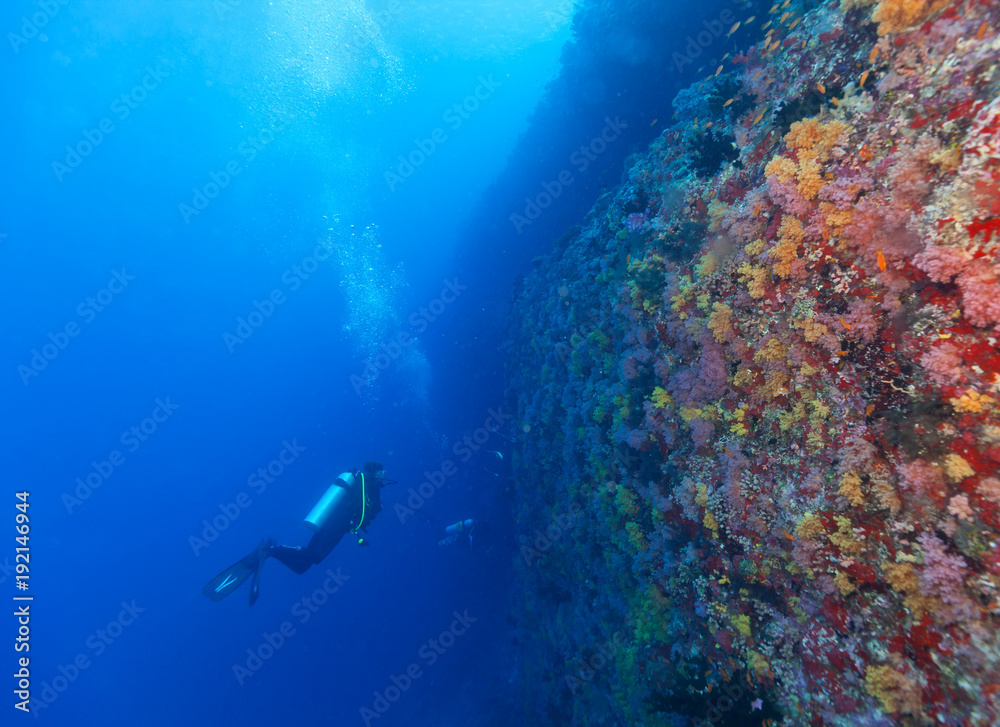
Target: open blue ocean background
x=170 y=170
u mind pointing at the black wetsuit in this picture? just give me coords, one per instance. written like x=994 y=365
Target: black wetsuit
x=325 y=539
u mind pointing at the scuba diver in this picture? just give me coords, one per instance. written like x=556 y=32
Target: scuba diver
x=349 y=505
x=472 y=534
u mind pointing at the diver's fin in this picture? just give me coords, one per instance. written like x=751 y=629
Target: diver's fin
x=255 y=584
x=233 y=577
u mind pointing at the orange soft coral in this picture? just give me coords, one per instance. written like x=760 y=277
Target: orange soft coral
x=894 y=16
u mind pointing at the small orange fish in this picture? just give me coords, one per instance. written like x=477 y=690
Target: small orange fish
x=766 y=25
x=709 y=124
x=787 y=534
x=754 y=17
x=727 y=103
x=774 y=45
x=654 y=122
x=785 y=4
x=821 y=87
x=718 y=70
x=846 y=324
x=873 y=55
x=727 y=451
x=756 y=210
x=774 y=9
x=758 y=118
x=794 y=23
x=835 y=101
x=735 y=27
x=869 y=409
x=864 y=77
x=756 y=75
x=725 y=56
x=881 y=261
x=842 y=353
x=781 y=20
x=982 y=31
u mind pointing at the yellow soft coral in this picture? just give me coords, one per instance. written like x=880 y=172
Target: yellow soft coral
x=835 y=218
x=773 y=350
x=782 y=167
x=661 y=399
x=971 y=401
x=850 y=487
x=755 y=278
x=813 y=138
x=812 y=329
x=843 y=582
x=894 y=16
x=810 y=526
x=810 y=179
x=721 y=321
x=903 y=577
x=894 y=689
x=790 y=236
x=957 y=468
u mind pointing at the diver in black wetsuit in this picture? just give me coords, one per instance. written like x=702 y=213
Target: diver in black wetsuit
x=349 y=505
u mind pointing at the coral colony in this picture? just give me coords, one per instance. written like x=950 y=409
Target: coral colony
x=767 y=371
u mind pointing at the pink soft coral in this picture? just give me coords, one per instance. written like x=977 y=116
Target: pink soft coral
x=943 y=577
x=921 y=478
x=943 y=364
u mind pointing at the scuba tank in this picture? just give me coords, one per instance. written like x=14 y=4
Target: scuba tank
x=453 y=532
x=337 y=501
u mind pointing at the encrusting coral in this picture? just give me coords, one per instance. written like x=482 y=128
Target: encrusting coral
x=785 y=439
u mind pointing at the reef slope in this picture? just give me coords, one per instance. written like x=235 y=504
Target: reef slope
x=758 y=394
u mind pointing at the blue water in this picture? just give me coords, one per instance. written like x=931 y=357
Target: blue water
x=173 y=169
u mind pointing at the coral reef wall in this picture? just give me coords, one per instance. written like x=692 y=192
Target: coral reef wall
x=757 y=392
